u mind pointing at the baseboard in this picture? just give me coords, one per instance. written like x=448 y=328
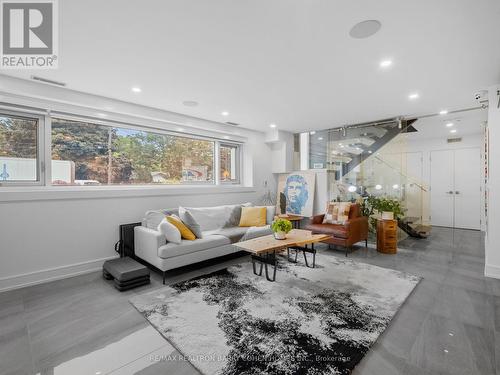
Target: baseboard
x=51 y=274
x=492 y=271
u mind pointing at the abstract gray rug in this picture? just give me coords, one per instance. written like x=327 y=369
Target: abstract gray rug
x=310 y=321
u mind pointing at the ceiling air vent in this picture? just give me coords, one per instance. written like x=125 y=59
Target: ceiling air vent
x=454 y=140
x=49 y=81
x=232 y=123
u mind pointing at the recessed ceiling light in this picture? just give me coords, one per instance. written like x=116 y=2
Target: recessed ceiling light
x=180 y=129
x=395 y=186
x=225 y=113
x=312 y=133
x=226 y=137
x=136 y=89
x=453 y=130
x=443 y=112
x=413 y=96
x=352 y=188
x=449 y=124
x=378 y=187
x=272 y=125
x=385 y=63
x=365 y=29
x=102 y=115
x=320 y=138
x=190 y=103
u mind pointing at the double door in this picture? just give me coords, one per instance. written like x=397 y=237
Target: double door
x=455 y=188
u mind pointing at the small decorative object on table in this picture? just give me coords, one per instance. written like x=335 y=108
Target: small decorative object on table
x=280 y=228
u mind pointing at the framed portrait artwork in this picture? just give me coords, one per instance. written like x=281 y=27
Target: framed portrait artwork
x=298 y=188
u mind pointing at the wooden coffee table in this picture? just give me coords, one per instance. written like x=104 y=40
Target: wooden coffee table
x=264 y=249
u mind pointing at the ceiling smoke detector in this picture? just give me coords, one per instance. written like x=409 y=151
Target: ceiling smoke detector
x=365 y=29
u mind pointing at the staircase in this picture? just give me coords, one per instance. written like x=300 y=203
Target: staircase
x=350 y=149
x=363 y=143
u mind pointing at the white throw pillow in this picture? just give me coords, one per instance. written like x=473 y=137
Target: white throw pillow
x=170 y=231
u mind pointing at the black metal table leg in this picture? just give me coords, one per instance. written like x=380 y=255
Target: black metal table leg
x=305 y=250
x=288 y=256
x=254 y=268
x=266 y=261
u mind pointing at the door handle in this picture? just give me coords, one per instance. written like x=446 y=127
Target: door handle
x=457 y=192
x=449 y=192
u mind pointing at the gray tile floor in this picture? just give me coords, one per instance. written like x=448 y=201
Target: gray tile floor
x=82 y=325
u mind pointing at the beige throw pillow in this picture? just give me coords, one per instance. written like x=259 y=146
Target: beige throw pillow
x=337 y=212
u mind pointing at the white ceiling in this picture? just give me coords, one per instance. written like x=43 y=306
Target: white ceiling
x=289 y=62
x=465 y=123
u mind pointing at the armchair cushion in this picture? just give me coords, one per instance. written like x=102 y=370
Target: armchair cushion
x=336 y=230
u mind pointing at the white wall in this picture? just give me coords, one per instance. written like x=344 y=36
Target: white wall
x=48 y=233
x=492 y=243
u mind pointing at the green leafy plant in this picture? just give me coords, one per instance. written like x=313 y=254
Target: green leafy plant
x=281 y=225
x=372 y=205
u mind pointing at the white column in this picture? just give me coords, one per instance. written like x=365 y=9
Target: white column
x=492 y=243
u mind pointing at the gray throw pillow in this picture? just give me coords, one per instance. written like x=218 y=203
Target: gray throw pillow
x=270 y=213
x=190 y=222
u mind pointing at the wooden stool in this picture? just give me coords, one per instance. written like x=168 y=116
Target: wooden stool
x=387 y=236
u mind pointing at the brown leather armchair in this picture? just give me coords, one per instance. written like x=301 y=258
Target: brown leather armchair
x=354 y=230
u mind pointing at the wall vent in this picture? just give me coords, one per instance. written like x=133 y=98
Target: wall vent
x=454 y=140
x=49 y=81
x=232 y=123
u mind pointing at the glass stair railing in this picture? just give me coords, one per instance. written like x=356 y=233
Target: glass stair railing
x=370 y=160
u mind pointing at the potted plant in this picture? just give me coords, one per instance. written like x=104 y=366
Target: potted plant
x=280 y=228
x=382 y=207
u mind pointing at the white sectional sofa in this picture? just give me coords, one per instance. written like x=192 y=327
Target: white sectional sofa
x=220 y=231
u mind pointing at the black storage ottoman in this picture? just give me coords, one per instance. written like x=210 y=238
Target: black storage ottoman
x=126 y=273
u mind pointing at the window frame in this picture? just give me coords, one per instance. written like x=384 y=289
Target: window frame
x=41 y=154
x=44 y=119
x=236 y=146
x=121 y=125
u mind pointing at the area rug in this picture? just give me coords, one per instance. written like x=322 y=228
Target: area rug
x=310 y=321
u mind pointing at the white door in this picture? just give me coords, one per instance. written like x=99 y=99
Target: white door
x=442 y=193
x=467 y=188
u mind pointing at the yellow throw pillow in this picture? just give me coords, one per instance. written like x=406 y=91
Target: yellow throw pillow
x=185 y=231
x=253 y=216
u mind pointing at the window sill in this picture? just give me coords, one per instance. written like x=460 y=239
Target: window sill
x=10 y=194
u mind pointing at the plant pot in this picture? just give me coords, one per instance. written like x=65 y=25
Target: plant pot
x=387 y=215
x=280 y=235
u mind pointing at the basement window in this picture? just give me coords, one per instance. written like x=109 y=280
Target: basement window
x=20 y=151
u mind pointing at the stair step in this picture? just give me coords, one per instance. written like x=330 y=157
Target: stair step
x=424 y=230
x=410 y=220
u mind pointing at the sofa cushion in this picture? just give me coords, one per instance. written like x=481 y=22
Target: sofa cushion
x=254 y=232
x=234 y=234
x=171 y=250
x=185 y=231
x=270 y=214
x=336 y=230
x=337 y=212
x=211 y=218
x=153 y=218
x=170 y=231
x=253 y=217
x=188 y=219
